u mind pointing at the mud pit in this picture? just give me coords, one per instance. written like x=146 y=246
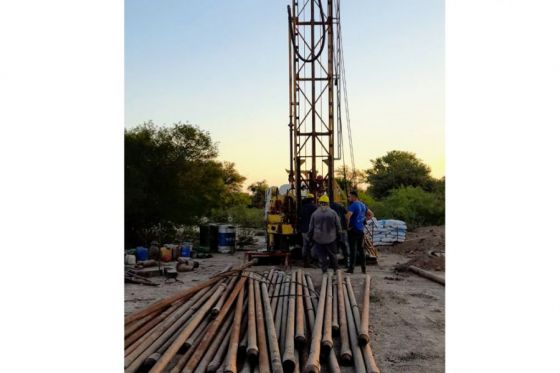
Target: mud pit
x=407 y=314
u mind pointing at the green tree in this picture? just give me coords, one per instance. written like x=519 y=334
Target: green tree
x=413 y=205
x=396 y=169
x=172 y=177
x=349 y=179
x=258 y=191
x=233 y=184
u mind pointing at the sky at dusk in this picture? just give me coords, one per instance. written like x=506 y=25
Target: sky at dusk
x=222 y=65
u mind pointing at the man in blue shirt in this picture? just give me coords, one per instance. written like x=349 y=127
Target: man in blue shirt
x=356 y=216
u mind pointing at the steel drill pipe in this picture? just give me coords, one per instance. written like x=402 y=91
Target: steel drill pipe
x=221 y=338
x=288 y=359
x=284 y=314
x=252 y=347
x=314 y=298
x=297 y=368
x=145 y=329
x=264 y=361
x=186 y=332
x=345 y=351
x=242 y=346
x=308 y=305
x=371 y=365
x=153 y=358
x=206 y=340
x=137 y=338
x=133 y=326
x=335 y=324
x=430 y=276
x=272 y=281
x=313 y=364
x=363 y=336
x=275 y=357
x=201 y=328
x=190 y=326
x=327 y=341
x=369 y=360
x=187 y=355
x=164 y=330
x=277 y=304
x=359 y=366
x=332 y=362
x=185 y=293
x=276 y=292
x=135 y=360
x=230 y=364
x=300 y=339
x=218 y=306
x=159 y=305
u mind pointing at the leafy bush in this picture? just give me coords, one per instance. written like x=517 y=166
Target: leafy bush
x=413 y=205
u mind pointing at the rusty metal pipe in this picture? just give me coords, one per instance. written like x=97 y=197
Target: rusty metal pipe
x=231 y=357
x=218 y=306
x=363 y=336
x=264 y=361
x=135 y=339
x=300 y=339
x=252 y=347
x=151 y=343
x=187 y=355
x=430 y=276
x=288 y=359
x=371 y=365
x=353 y=332
x=222 y=337
x=275 y=357
x=185 y=293
x=327 y=341
x=169 y=329
x=313 y=293
x=201 y=328
x=313 y=364
x=345 y=351
x=284 y=314
x=308 y=305
x=332 y=362
x=335 y=324
x=272 y=281
x=209 y=335
x=277 y=305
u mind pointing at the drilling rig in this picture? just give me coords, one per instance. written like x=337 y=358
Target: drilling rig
x=315 y=78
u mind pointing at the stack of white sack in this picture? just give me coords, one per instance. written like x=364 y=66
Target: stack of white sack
x=387 y=231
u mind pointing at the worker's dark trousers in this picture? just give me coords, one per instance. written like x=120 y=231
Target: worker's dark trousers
x=326 y=253
x=343 y=246
x=356 y=242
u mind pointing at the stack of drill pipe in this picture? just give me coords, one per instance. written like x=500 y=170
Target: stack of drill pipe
x=251 y=322
x=359 y=337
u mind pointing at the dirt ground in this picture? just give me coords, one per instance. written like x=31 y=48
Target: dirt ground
x=407 y=312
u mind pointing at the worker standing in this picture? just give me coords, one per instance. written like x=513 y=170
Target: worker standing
x=308 y=207
x=357 y=212
x=343 y=242
x=325 y=231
